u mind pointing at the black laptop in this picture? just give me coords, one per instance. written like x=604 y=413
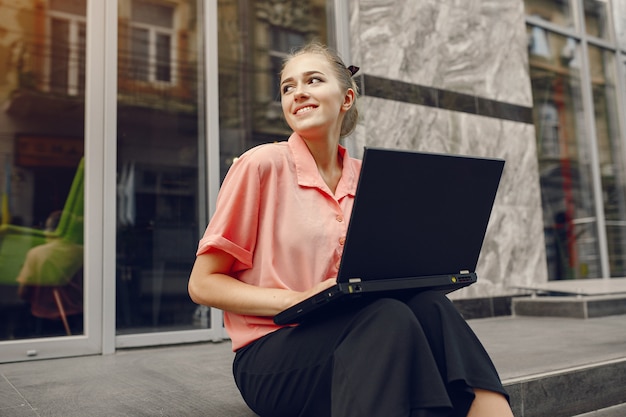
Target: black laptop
x=418 y=222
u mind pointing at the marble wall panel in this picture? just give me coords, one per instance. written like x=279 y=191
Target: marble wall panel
x=513 y=252
x=476 y=47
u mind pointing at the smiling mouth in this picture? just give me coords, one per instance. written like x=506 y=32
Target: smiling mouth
x=304 y=109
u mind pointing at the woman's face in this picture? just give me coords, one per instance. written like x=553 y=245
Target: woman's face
x=313 y=101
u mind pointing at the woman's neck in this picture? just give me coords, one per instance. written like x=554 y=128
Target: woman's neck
x=328 y=161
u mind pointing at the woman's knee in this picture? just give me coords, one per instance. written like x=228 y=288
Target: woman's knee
x=429 y=304
x=384 y=330
x=388 y=315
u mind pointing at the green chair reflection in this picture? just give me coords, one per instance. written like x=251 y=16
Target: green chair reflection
x=58 y=252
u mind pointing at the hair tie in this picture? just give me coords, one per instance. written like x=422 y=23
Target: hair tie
x=353 y=69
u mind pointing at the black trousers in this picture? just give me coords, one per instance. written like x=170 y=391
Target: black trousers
x=380 y=358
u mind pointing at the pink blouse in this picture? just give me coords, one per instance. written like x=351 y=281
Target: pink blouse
x=279 y=220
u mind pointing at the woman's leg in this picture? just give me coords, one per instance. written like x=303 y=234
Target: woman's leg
x=463 y=362
x=373 y=360
x=489 y=404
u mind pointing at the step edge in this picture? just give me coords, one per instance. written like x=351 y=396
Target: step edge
x=562 y=371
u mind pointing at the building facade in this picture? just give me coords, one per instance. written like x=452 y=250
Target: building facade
x=120 y=119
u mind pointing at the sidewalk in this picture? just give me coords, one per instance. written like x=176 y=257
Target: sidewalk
x=195 y=380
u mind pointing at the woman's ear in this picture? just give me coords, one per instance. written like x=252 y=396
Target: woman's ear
x=348 y=100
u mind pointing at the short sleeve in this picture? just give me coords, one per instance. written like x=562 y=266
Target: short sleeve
x=234 y=226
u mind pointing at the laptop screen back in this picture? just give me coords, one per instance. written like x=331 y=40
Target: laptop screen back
x=418 y=214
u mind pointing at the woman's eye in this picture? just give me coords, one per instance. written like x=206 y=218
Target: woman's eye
x=287 y=88
x=315 y=80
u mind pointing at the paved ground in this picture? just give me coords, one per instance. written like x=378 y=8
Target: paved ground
x=195 y=380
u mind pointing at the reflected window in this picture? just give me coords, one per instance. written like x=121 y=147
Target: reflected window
x=152 y=37
x=596 y=18
x=538 y=43
x=283 y=41
x=563 y=149
x=161 y=203
x=611 y=155
x=558 y=12
x=254 y=38
x=66 y=74
x=619 y=17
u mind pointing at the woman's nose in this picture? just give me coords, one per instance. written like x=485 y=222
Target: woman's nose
x=300 y=92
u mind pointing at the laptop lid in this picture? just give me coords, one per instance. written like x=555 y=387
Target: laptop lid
x=418 y=221
x=418 y=214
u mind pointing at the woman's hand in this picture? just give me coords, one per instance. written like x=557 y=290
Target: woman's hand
x=301 y=296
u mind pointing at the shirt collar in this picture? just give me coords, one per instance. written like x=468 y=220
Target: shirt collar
x=309 y=176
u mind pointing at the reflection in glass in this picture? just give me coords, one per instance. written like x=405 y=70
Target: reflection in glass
x=160 y=175
x=564 y=163
x=596 y=18
x=611 y=155
x=619 y=18
x=42 y=79
x=558 y=12
x=161 y=136
x=254 y=37
x=152 y=41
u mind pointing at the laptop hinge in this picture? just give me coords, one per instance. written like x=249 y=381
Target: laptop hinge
x=464 y=271
x=353 y=280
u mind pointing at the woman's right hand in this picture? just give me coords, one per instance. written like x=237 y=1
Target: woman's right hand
x=320 y=287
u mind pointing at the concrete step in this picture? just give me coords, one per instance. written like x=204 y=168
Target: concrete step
x=556 y=366
x=577 y=306
x=569 y=392
x=578 y=298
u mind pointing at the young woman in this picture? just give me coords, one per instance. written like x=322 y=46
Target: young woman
x=276 y=238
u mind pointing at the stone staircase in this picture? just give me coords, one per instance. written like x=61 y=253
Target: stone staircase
x=562 y=352
x=569 y=392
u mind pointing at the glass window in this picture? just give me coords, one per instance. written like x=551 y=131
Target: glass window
x=163 y=58
x=563 y=154
x=66 y=68
x=597 y=18
x=282 y=41
x=558 y=12
x=619 y=18
x=152 y=14
x=254 y=37
x=41 y=156
x=161 y=203
x=611 y=155
x=59 y=55
x=152 y=41
x=140 y=55
x=75 y=7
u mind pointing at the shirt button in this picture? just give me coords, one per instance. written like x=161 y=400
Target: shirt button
x=339 y=218
x=342 y=240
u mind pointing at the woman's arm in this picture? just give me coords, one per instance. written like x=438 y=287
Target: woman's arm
x=210 y=285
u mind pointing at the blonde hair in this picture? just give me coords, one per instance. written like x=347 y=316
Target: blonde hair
x=343 y=74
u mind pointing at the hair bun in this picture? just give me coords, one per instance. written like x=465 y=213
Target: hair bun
x=353 y=69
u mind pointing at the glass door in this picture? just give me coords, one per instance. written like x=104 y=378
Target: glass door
x=45 y=308
x=161 y=169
